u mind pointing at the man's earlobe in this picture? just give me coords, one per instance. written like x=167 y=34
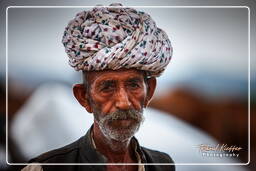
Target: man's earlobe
x=151 y=82
x=80 y=93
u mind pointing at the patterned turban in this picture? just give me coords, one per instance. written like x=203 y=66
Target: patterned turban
x=116 y=37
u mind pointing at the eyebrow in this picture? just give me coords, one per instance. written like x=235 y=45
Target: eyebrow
x=134 y=79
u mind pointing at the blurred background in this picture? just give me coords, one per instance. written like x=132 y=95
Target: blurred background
x=202 y=97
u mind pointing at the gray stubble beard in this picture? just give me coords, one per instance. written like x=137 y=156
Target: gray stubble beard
x=120 y=134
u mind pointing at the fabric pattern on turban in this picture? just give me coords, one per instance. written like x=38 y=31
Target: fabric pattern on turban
x=116 y=37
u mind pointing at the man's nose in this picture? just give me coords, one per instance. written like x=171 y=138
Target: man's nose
x=122 y=100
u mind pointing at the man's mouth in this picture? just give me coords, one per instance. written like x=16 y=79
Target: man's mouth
x=122 y=123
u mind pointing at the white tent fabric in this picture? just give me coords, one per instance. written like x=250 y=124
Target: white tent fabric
x=52 y=118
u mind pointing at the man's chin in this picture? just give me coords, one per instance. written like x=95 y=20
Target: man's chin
x=122 y=133
x=120 y=137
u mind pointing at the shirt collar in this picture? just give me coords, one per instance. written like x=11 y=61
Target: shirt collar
x=90 y=152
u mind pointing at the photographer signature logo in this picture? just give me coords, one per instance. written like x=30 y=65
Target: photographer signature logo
x=219 y=150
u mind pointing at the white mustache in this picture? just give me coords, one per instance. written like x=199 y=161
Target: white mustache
x=127 y=114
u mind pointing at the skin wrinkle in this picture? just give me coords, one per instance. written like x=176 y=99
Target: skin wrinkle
x=107 y=130
x=120 y=94
x=116 y=98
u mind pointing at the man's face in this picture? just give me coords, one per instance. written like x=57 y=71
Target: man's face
x=117 y=99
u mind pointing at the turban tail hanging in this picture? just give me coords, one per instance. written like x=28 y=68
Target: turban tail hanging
x=116 y=37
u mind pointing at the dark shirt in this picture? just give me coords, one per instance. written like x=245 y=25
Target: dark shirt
x=83 y=151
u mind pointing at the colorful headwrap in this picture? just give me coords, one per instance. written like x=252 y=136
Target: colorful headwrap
x=116 y=37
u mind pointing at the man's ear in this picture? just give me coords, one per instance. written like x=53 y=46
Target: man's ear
x=151 y=82
x=81 y=95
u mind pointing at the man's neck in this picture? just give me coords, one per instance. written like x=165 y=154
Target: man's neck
x=115 y=151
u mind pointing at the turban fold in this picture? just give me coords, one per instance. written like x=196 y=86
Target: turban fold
x=116 y=37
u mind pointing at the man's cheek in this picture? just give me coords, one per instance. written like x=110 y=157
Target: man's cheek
x=143 y=98
x=108 y=107
x=138 y=102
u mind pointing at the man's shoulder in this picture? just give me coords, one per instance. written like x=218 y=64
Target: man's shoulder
x=157 y=156
x=66 y=154
x=154 y=156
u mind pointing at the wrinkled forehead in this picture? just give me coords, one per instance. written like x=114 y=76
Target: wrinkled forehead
x=121 y=74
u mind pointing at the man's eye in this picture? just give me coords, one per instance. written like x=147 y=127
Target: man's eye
x=134 y=85
x=107 y=89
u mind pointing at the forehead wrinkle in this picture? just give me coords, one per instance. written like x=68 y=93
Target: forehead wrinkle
x=106 y=82
x=134 y=79
x=113 y=75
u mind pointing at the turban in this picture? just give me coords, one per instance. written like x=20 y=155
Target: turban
x=116 y=37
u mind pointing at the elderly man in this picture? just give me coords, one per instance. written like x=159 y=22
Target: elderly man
x=120 y=52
